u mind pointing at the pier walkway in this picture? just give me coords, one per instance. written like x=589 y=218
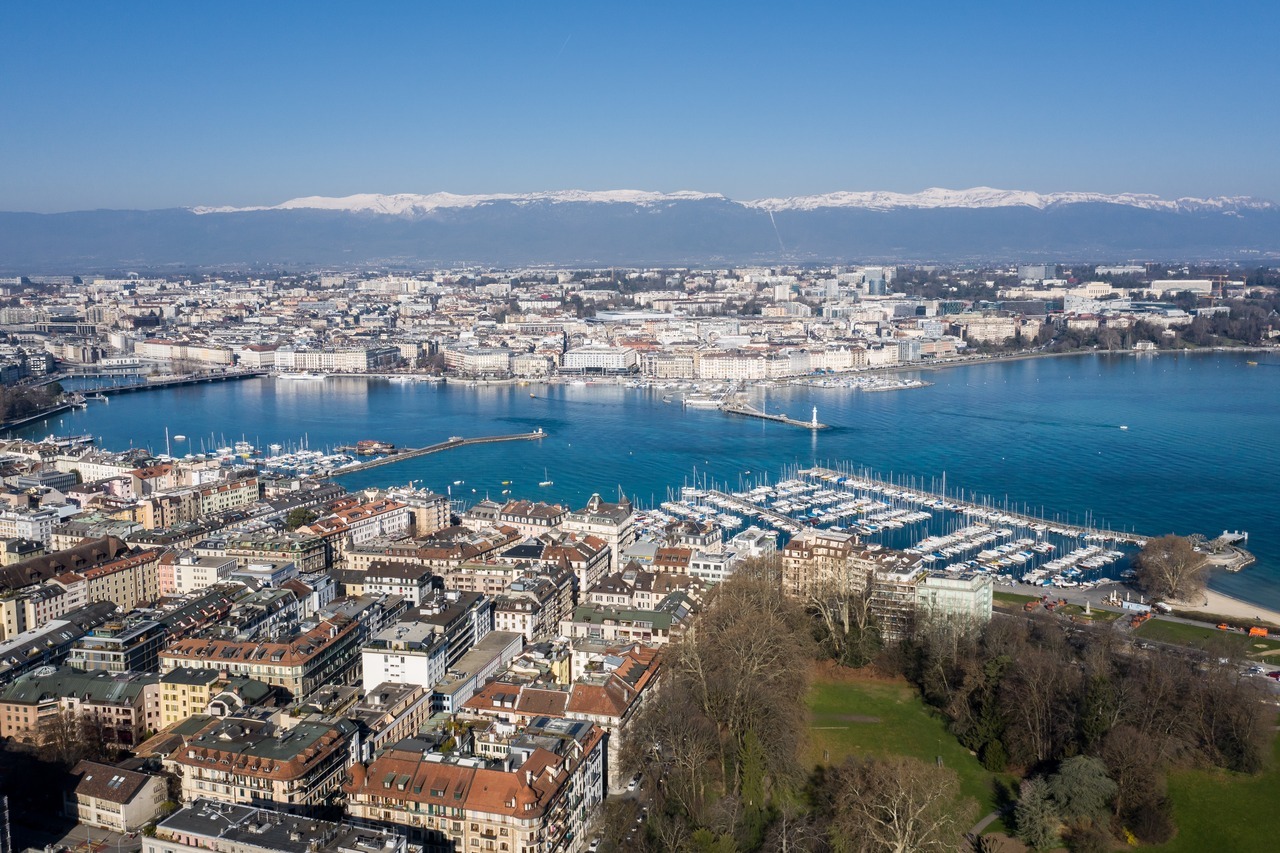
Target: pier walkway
x=151 y=385
x=922 y=496
x=777 y=519
x=450 y=444
x=747 y=410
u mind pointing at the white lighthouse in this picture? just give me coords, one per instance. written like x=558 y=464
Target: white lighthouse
x=814 y=422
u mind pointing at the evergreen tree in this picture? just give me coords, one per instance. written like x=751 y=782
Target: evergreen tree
x=1036 y=818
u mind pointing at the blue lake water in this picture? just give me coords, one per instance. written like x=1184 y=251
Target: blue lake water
x=1201 y=452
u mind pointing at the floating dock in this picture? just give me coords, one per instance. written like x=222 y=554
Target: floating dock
x=455 y=441
x=782 y=522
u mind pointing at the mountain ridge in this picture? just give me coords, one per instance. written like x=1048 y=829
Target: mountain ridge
x=638 y=228
x=400 y=204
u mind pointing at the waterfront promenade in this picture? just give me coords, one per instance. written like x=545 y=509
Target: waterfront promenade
x=450 y=444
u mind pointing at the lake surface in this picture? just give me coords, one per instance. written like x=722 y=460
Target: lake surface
x=1201 y=452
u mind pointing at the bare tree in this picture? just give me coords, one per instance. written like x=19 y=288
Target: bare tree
x=1170 y=567
x=894 y=804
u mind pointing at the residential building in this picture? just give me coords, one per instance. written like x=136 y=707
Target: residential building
x=612 y=522
x=323 y=653
x=124 y=706
x=208 y=825
x=246 y=760
x=539 y=796
x=109 y=797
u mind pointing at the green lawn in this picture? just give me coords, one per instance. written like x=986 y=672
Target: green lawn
x=1093 y=615
x=1224 y=812
x=888 y=718
x=1012 y=598
x=1164 y=631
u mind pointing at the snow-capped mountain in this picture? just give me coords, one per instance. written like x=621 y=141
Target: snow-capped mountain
x=408 y=203
x=634 y=227
x=987 y=197
x=931 y=199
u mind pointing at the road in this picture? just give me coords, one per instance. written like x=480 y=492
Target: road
x=1096 y=596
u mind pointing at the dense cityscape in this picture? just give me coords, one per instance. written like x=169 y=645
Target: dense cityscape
x=639 y=428
x=229 y=647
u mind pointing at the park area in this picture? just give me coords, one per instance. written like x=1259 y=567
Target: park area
x=1209 y=639
x=1223 y=811
x=852 y=715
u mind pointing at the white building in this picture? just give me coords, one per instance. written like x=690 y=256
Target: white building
x=34 y=524
x=599 y=358
x=406 y=653
x=965 y=596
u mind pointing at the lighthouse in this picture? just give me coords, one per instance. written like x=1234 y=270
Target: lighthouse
x=814 y=422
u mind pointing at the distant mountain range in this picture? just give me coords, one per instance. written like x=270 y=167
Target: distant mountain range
x=633 y=227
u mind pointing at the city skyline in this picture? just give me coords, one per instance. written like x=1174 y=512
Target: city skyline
x=160 y=107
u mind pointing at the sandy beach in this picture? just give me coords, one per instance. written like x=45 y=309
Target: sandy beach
x=1225 y=605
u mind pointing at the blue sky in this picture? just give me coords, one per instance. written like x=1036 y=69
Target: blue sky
x=133 y=105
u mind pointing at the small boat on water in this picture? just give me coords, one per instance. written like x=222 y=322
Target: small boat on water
x=546 y=479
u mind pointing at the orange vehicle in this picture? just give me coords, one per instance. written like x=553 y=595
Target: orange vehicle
x=1257 y=631
x=1224 y=627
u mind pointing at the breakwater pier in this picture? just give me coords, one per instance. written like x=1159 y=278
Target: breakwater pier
x=742 y=407
x=450 y=444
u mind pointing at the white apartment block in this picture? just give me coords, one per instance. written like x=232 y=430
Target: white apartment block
x=34 y=524
x=479 y=361
x=598 y=358
x=408 y=654
x=337 y=360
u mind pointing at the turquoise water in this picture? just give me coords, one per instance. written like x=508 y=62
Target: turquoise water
x=1200 y=453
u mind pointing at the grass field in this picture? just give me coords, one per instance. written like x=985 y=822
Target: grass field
x=1012 y=598
x=1224 y=812
x=1203 y=637
x=1164 y=631
x=850 y=716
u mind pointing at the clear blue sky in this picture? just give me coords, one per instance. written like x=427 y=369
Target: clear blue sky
x=134 y=105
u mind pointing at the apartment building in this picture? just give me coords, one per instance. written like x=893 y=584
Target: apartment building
x=123 y=706
x=131 y=580
x=323 y=653
x=245 y=760
x=209 y=825
x=614 y=523
x=539 y=796
x=113 y=798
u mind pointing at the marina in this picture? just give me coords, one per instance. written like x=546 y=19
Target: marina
x=943 y=531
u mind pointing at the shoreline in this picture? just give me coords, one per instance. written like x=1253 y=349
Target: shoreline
x=1221 y=604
